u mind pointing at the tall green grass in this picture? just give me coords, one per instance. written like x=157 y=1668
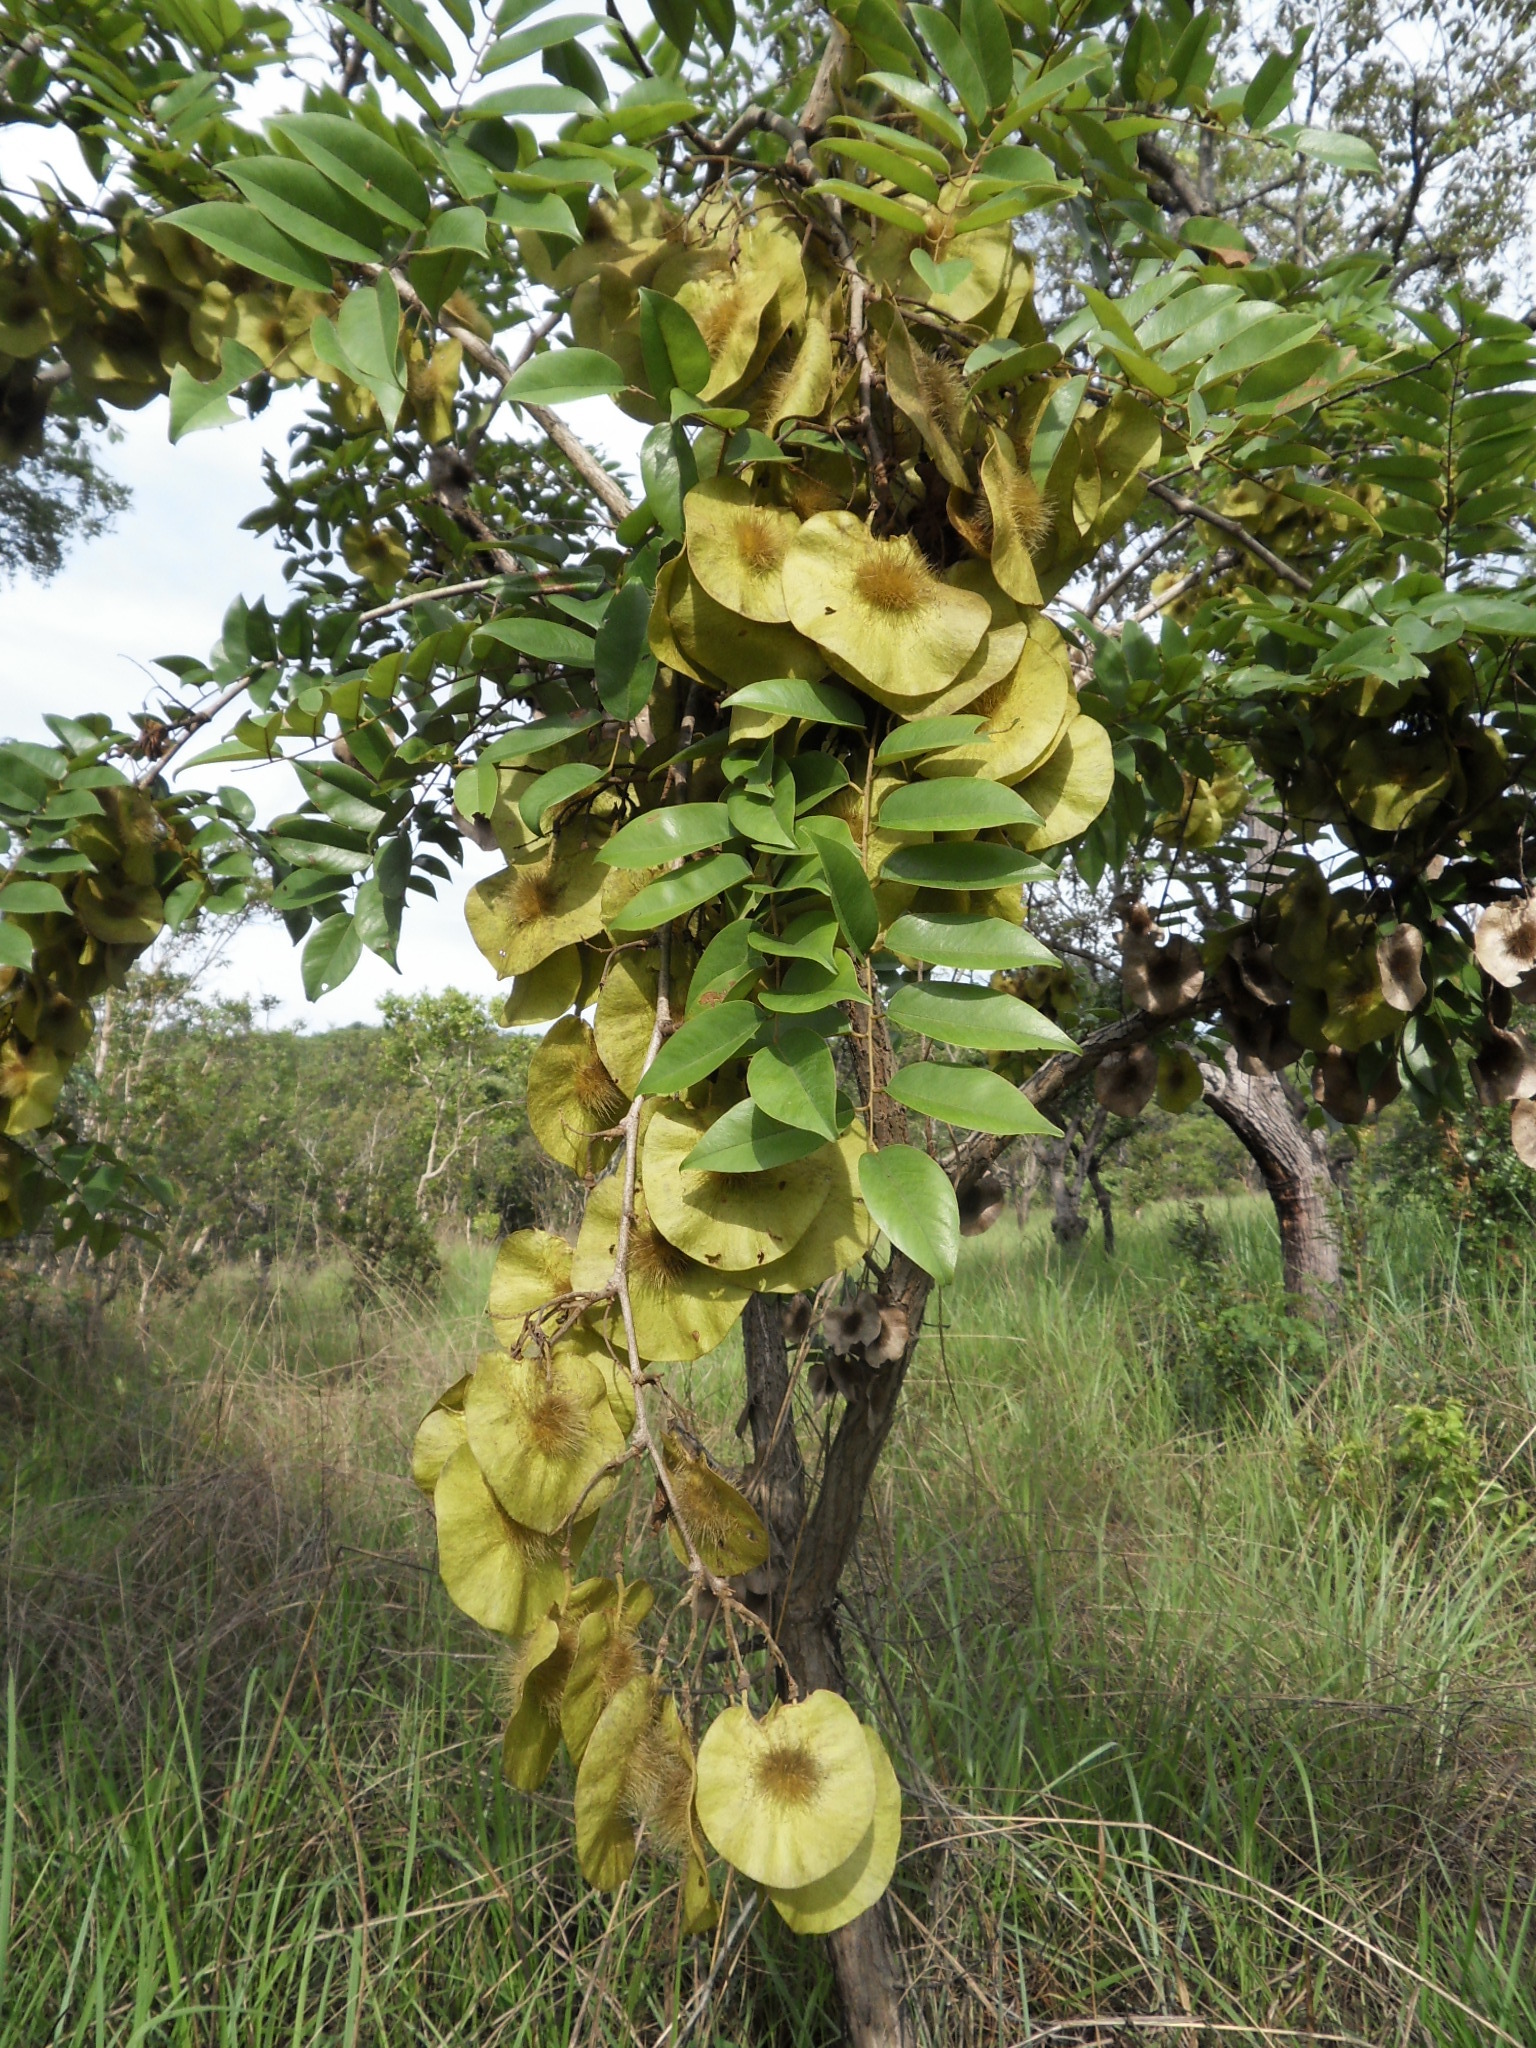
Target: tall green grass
x=1210 y=1730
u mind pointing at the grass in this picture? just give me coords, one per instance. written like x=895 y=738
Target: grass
x=1211 y=1689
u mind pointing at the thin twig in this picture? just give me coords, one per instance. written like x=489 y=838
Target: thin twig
x=1234 y=529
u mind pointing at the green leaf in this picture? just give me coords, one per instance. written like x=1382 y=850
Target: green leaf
x=623 y=666
x=700 y=1047
x=812 y=936
x=954 y=803
x=944 y=39
x=302 y=202
x=745 y=1140
x=1269 y=91
x=972 y=1098
x=1332 y=146
x=941 y=278
x=361 y=163
x=927 y=736
x=542 y=640
x=980 y=945
x=723 y=966
x=364 y=342
x=853 y=900
x=678 y=895
x=1274 y=335
x=31 y=899
x=394 y=63
x=980 y=1019
x=331 y=952
x=544 y=35
x=897 y=169
x=720 y=20
x=196 y=406
x=809 y=987
x=531 y=99
x=555 y=786
x=674 y=351
x=795 y=1081
x=878 y=205
x=668 y=472
x=797 y=699
x=911 y=1200
x=898 y=139
x=416 y=22
x=1056 y=420
x=248 y=238
x=546 y=215
x=15 y=946
x=563 y=375
x=985 y=34
x=376 y=918
x=461 y=227
x=539 y=736
x=656 y=837
x=923 y=101
x=959 y=864
x=675 y=19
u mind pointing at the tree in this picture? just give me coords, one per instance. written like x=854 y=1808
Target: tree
x=771 y=755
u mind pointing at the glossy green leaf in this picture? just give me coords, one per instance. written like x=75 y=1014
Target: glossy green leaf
x=555 y=786
x=680 y=894
x=910 y=1198
x=31 y=899
x=745 y=1140
x=923 y=101
x=1056 y=421
x=674 y=351
x=927 y=736
x=985 y=34
x=668 y=472
x=812 y=936
x=418 y=25
x=794 y=1081
x=979 y=1019
x=390 y=60
x=959 y=864
x=896 y=168
x=249 y=238
x=724 y=965
x=520 y=100
x=362 y=163
x=624 y=668
x=852 y=897
x=700 y=1047
x=656 y=837
x=675 y=19
x=971 y=1098
x=808 y=987
x=15 y=946
x=980 y=945
x=947 y=44
x=529 y=741
x=542 y=640
x=954 y=803
x=797 y=699
x=543 y=35
x=461 y=227
x=816 y=777
x=1269 y=91
x=302 y=202
x=331 y=952
x=720 y=21
x=562 y=375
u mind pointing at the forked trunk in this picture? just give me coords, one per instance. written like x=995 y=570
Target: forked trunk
x=1257 y=1110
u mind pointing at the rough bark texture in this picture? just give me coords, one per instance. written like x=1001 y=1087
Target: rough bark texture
x=813 y=1540
x=1257 y=1110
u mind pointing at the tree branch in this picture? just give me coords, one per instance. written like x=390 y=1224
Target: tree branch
x=1191 y=508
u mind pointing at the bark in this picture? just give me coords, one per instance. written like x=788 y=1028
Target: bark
x=1293 y=1163
x=813 y=1540
x=1106 y=1207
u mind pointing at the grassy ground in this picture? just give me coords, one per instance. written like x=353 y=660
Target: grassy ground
x=1207 y=1651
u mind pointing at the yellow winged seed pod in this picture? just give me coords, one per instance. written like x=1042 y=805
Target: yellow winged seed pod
x=533 y=1268
x=731 y=1222
x=786 y=1799
x=1021 y=519
x=572 y=1097
x=503 y=1575
x=1179 y=1086
x=877 y=610
x=438 y=1435
x=625 y=1017
x=607 y=1656
x=720 y=645
x=726 y=1529
x=840 y=1235
x=681 y=1308
x=535 y=1676
x=547 y=898
x=605 y=1827
x=542 y=1432
x=546 y=991
x=736 y=548
x=857 y=1882
x=1069 y=789
x=1023 y=714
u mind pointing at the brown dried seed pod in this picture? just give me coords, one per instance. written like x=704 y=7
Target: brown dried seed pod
x=799 y=1313
x=892 y=1340
x=1522 y=1132
x=1505 y=1069
x=1505 y=943
x=848 y=1328
x=1163 y=979
x=1399 y=961
x=1124 y=1081
x=981 y=1203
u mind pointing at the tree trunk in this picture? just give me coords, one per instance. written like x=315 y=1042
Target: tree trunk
x=1106 y=1207
x=806 y=1563
x=1292 y=1160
